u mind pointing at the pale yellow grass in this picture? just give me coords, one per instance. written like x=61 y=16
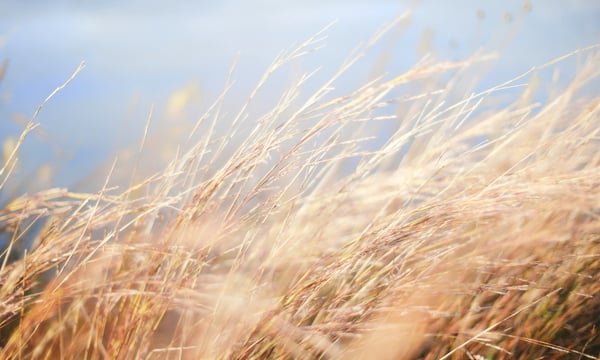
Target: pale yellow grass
x=435 y=245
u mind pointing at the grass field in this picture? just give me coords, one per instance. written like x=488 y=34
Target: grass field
x=368 y=223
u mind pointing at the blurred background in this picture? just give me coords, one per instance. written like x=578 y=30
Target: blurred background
x=176 y=57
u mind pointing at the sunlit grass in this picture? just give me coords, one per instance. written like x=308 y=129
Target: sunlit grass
x=471 y=231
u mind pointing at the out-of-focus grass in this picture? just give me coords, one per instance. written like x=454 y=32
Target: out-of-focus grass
x=471 y=232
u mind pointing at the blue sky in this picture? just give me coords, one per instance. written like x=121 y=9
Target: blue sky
x=139 y=52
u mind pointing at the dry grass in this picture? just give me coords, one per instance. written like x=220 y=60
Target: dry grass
x=472 y=232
